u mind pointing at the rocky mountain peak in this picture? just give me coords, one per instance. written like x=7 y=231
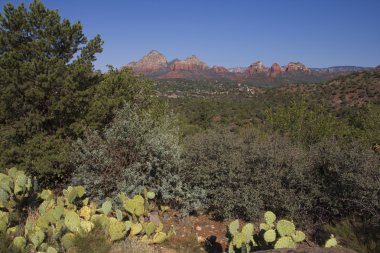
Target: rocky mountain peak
x=275 y=69
x=297 y=67
x=257 y=67
x=152 y=62
x=189 y=64
x=219 y=69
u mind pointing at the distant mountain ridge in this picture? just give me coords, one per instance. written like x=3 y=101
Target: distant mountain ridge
x=155 y=65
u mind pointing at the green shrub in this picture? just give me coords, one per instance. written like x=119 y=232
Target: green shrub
x=344 y=181
x=304 y=122
x=135 y=151
x=245 y=174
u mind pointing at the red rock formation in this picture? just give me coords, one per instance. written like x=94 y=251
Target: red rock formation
x=219 y=69
x=275 y=69
x=189 y=64
x=152 y=62
x=257 y=67
x=297 y=67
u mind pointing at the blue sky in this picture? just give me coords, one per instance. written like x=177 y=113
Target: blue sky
x=231 y=33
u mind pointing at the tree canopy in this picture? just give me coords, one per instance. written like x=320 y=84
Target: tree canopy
x=49 y=90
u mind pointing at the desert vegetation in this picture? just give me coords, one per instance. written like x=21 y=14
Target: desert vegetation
x=96 y=162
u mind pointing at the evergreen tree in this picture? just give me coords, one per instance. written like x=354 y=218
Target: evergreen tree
x=49 y=91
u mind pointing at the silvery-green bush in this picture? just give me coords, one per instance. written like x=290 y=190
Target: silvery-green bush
x=135 y=151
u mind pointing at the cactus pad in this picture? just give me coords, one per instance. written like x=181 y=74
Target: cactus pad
x=135 y=228
x=285 y=242
x=149 y=228
x=19 y=243
x=72 y=221
x=298 y=236
x=85 y=213
x=106 y=207
x=269 y=217
x=117 y=229
x=233 y=227
x=270 y=235
x=36 y=237
x=332 y=242
x=150 y=195
x=159 y=237
x=285 y=228
x=68 y=240
x=247 y=230
x=51 y=250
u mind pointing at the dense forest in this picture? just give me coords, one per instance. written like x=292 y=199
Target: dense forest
x=120 y=152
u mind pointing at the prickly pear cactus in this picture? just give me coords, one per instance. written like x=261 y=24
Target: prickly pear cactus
x=269 y=218
x=332 y=242
x=240 y=241
x=280 y=235
x=59 y=220
x=15 y=186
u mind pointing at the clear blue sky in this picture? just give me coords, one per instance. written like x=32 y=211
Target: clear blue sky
x=231 y=33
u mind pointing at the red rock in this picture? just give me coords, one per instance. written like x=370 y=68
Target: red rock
x=297 y=67
x=152 y=62
x=257 y=67
x=275 y=69
x=219 y=69
x=189 y=64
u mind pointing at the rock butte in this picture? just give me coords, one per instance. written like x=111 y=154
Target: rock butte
x=155 y=64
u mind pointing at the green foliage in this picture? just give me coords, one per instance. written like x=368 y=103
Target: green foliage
x=43 y=87
x=50 y=93
x=303 y=123
x=251 y=173
x=135 y=151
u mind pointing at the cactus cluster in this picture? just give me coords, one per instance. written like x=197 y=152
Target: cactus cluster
x=59 y=220
x=283 y=234
x=240 y=241
x=14 y=187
